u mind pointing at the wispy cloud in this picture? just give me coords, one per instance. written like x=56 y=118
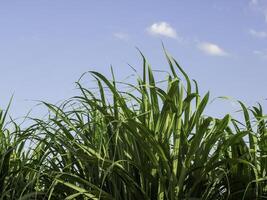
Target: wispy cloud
x=258 y=34
x=163 y=29
x=211 y=49
x=261 y=53
x=260 y=6
x=121 y=36
x=254 y=2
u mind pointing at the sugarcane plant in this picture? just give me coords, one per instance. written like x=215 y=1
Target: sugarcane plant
x=143 y=142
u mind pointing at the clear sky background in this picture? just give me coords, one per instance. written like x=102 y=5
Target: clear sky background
x=45 y=45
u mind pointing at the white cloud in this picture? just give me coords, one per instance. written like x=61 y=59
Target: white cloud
x=260 y=6
x=163 y=29
x=259 y=34
x=121 y=36
x=262 y=54
x=211 y=49
x=254 y=2
x=257 y=52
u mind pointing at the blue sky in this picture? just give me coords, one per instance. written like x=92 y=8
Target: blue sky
x=46 y=45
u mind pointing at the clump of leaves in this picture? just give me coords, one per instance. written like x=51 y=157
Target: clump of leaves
x=147 y=142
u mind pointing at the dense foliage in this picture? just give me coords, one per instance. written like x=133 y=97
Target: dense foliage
x=149 y=142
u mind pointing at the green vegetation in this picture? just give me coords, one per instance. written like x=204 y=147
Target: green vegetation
x=143 y=143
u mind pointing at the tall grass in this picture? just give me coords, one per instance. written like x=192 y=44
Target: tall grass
x=146 y=142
